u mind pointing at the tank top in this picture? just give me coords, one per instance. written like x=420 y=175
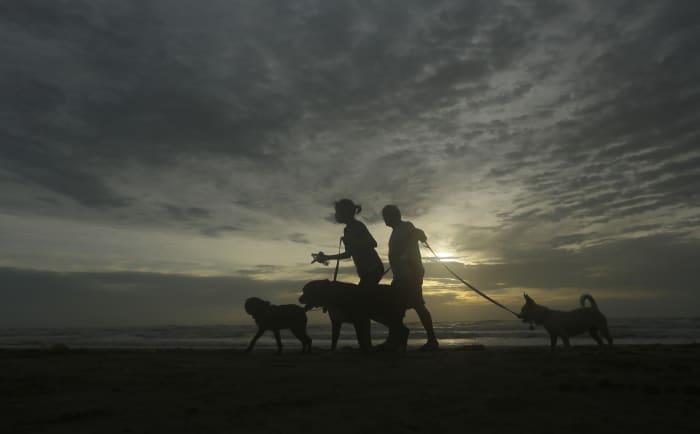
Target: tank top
x=361 y=246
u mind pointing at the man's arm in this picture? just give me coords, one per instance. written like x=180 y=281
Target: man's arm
x=420 y=235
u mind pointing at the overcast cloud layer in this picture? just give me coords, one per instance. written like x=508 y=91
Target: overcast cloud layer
x=551 y=146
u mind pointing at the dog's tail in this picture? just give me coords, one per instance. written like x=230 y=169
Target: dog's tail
x=588 y=297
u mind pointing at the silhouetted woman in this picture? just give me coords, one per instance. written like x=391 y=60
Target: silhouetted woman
x=359 y=244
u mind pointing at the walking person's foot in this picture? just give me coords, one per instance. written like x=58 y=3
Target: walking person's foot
x=430 y=346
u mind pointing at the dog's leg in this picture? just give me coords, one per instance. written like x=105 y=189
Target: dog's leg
x=366 y=335
x=335 y=332
x=565 y=340
x=304 y=338
x=358 y=334
x=398 y=335
x=552 y=342
x=393 y=339
x=403 y=341
x=255 y=338
x=279 y=341
x=594 y=335
x=298 y=333
x=606 y=334
x=308 y=343
x=362 y=331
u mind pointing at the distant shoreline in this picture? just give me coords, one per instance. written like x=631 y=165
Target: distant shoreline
x=493 y=333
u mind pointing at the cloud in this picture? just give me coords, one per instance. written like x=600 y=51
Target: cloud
x=147 y=84
x=505 y=129
x=45 y=298
x=298 y=238
x=186 y=214
x=218 y=231
x=662 y=264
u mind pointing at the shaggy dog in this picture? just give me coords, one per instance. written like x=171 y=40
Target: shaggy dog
x=270 y=317
x=565 y=324
x=347 y=302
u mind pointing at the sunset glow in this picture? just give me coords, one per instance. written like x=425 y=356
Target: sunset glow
x=167 y=160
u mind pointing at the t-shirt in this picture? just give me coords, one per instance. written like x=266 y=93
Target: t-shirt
x=361 y=246
x=404 y=254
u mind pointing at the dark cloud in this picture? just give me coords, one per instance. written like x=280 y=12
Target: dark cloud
x=662 y=264
x=154 y=82
x=534 y=127
x=114 y=91
x=218 y=231
x=53 y=170
x=258 y=271
x=186 y=214
x=633 y=128
x=626 y=146
x=298 y=238
x=45 y=298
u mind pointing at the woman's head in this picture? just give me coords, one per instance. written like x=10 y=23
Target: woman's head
x=345 y=210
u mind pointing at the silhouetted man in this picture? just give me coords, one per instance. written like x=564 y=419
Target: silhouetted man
x=407 y=267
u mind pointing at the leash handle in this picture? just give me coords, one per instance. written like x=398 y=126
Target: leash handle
x=425 y=243
x=337 y=261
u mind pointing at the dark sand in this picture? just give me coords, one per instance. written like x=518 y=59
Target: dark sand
x=520 y=390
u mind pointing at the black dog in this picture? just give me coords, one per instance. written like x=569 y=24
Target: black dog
x=347 y=302
x=270 y=317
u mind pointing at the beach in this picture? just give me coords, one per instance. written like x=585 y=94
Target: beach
x=462 y=389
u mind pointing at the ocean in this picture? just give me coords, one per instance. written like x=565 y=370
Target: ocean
x=627 y=331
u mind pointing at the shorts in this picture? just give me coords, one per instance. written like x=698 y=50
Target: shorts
x=410 y=291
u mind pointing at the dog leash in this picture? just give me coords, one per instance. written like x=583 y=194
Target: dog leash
x=317 y=258
x=337 y=261
x=425 y=243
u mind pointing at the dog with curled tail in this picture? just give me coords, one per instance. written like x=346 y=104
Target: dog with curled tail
x=564 y=324
x=275 y=318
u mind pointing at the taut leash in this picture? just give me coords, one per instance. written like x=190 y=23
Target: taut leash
x=467 y=283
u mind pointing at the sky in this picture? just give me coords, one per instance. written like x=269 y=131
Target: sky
x=161 y=161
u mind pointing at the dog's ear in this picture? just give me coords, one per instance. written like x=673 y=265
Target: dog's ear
x=528 y=300
x=248 y=306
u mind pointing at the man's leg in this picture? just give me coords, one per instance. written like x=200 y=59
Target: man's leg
x=424 y=315
x=427 y=321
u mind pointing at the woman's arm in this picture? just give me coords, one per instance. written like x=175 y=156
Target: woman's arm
x=322 y=257
x=343 y=255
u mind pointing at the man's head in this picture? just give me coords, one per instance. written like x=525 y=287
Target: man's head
x=392 y=215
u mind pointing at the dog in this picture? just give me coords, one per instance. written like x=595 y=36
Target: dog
x=566 y=324
x=347 y=302
x=270 y=317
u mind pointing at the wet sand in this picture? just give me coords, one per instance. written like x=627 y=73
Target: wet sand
x=472 y=389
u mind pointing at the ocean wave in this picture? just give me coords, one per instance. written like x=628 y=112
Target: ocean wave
x=492 y=333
